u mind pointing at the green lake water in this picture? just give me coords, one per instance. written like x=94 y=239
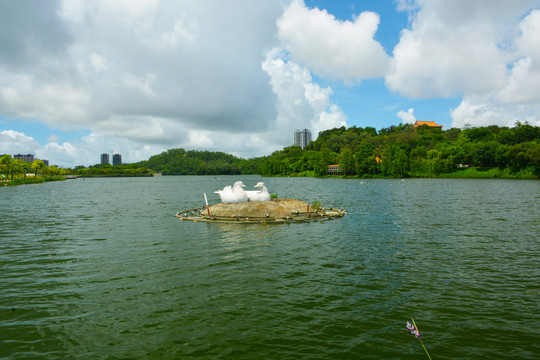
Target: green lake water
x=101 y=269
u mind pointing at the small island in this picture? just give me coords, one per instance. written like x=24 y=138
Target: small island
x=267 y=212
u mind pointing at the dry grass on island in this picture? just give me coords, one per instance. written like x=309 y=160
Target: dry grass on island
x=275 y=208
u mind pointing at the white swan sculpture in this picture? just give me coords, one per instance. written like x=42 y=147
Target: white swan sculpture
x=259 y=195
x=234 y=194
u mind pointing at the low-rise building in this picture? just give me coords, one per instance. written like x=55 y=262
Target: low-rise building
x=334 y=170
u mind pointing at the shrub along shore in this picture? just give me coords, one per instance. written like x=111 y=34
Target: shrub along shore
x=31 y=180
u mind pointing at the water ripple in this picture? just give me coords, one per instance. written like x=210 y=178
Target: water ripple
x=101 y=269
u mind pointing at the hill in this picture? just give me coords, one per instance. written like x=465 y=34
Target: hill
x=191 y=162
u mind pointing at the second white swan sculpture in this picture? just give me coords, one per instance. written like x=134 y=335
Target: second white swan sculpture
x=234 y=194
x=259 y=195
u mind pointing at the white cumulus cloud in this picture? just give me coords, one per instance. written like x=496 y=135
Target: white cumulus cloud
x=407 y=117
x=452 y=47
x=485 y=51
x=236 y=76
x=153 y=72
x=345 y=50
x=87 y=150
x=301 y=102
x=15 y=142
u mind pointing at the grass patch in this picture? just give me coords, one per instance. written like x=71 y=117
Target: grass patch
x=491 y=173
x=307 y=173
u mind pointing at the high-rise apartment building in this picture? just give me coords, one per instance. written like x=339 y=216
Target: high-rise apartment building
x=302 y=138
x=105 y=159
x=117 y=159
x=26 y=158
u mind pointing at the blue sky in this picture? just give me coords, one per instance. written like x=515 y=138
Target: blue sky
x=81 y=78
x=372 y=103
x=392 y=20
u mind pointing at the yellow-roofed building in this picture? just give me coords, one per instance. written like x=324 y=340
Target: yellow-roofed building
x=428 y=123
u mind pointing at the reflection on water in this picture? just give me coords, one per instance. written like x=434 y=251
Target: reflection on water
x=101 y=269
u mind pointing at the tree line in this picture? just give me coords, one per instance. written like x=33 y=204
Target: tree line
x=16 y=170
x=405 y=151
x=397 y=152
x=108 y=170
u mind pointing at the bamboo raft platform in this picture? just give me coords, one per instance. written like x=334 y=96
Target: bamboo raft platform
x=275 y=211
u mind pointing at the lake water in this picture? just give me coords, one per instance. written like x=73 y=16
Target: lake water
x=101 y=269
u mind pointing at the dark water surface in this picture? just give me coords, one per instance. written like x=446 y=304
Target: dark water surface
x=100 y=269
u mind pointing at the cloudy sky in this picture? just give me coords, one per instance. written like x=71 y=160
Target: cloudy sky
x=83 y=77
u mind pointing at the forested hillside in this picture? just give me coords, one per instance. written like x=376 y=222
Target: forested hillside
x=397 y=151
x=404 y=151
x=183 y=162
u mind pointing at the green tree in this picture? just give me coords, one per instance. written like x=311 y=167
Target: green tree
x=38 y=167
x=534 y=157
x=435 y=162
x=524 y=132
x=396 y=163
x=518 y=156
x=323 y=160
x=7 y=162
x=336 y=143
x=53 y=170
x=25 y=168
x=365 y=158
x=346 y=162
x=17 y=167
x=418 y=164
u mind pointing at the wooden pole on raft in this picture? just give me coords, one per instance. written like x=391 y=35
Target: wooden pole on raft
x=206 y=201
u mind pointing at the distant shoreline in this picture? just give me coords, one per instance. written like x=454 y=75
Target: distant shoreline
x=470 y=173
x=113 y=176
x=30 y=180
x=463 y=174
